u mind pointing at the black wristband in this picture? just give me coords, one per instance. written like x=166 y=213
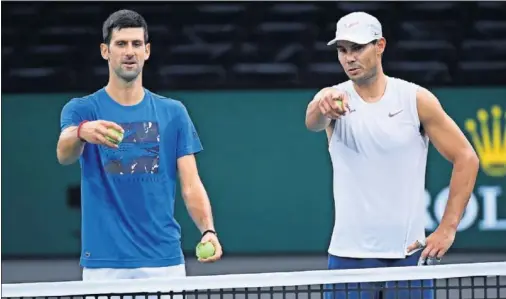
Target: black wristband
x=208 y=231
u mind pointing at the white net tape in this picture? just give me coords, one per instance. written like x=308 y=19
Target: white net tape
x=260 y=280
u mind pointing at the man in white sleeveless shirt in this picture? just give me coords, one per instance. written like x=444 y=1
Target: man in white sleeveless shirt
x=378 y=128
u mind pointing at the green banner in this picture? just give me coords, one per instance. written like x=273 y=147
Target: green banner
x=481 y=114
x=268 y=177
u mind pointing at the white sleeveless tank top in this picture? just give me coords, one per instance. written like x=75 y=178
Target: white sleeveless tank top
x=379 y=158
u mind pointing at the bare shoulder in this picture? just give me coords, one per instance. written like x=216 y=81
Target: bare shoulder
x=325 y=89
x=428 y=106
x=343 y=85
x=441 y=129
x=340 y=86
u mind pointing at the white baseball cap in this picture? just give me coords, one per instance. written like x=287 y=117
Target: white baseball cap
x=357 y=27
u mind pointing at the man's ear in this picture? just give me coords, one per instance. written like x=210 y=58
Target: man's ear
x=104 y=51
x=148 y=51
x=381 y=45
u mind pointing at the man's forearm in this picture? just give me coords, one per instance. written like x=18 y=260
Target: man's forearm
x=465 y=170
x=69 y=147
x=315 y=120
x=199 y=207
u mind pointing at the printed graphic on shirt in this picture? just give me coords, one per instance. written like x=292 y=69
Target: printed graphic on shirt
x=138 y=153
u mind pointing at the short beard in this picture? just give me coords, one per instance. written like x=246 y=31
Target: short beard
x=127 y=77
x=367 y=78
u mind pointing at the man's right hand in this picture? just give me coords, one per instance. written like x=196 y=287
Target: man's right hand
x=95 y=132
x=333 y=103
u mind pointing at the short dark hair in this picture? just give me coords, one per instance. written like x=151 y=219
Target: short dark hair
x=123 y=19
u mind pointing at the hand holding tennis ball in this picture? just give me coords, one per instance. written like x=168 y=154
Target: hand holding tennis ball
x=209 y=248
x=101 y=132
x=333 y=103
x=205 y=250
x=117 y=134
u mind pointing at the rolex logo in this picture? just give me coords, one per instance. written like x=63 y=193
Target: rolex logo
x=489 y=138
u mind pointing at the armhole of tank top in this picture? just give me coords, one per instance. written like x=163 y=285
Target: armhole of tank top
x=331 y=128
x=413 y=105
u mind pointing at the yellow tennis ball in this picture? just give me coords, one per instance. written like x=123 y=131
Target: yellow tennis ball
x=340 y=103
x=205 y=250
x=116 y=133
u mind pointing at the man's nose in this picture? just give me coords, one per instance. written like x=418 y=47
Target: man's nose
x=129 y=51
x=350 y=58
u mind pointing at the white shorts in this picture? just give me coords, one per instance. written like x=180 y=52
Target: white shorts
x=94 y=274
x=104 y=274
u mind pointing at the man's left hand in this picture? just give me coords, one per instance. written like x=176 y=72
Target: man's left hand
x=210 y=237
x=436 y=244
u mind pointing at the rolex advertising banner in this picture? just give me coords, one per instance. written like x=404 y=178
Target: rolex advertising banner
x=481 y=114
x=268 y=177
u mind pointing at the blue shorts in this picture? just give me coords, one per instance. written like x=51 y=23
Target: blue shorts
x=378 y=290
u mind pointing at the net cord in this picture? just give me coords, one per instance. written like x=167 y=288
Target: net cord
x=274 y=279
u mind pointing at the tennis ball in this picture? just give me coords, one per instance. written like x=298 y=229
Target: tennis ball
x=205 y=250
x=117 y=133
x=340 y=103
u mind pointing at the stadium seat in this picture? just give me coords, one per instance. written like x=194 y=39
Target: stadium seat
x=236 y=45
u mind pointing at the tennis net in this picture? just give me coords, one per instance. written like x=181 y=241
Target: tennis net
x=456 y=281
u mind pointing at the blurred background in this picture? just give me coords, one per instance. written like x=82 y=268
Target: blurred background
x=246 y=72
